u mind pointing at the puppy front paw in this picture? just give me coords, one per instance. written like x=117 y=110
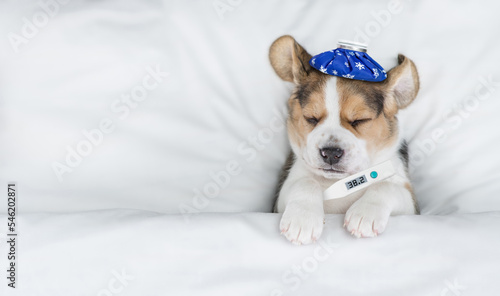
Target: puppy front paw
x=302 y=223
x=366 y=219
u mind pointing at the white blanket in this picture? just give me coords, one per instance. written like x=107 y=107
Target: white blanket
x=243 y=254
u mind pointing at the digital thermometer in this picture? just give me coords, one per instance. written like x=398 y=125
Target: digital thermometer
x=360 y=180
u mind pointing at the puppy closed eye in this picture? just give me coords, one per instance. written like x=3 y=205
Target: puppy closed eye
x=312 y=120
x=357 y=122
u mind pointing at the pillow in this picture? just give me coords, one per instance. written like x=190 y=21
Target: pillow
x=111 y=106
x=173 y=107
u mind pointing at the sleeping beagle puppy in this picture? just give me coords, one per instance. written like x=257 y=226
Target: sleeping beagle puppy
x=338 y=127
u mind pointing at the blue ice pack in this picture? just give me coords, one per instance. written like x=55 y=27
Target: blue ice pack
x=351 y=61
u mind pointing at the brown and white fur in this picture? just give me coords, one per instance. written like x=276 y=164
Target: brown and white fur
x=336 y=128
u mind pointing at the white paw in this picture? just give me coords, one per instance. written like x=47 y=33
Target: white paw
x=365 y=219
x=302 y=223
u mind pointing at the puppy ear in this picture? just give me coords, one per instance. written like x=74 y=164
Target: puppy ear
x=289 y=59
x=403 y=83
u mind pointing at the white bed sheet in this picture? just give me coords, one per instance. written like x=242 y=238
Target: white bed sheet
x=243 y=254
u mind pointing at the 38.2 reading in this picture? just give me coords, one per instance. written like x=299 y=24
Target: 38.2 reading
x=353 y=183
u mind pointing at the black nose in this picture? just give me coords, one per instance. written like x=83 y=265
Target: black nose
x=331 y=155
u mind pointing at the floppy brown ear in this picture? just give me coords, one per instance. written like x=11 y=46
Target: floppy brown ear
x=289 y=59
x=402 y=83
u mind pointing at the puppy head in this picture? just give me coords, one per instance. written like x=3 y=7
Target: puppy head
x=339 y=126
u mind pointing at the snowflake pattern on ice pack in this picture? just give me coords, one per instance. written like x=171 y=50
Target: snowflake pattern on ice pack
x=359 y=66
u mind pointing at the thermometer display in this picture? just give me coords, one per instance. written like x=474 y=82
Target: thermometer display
x=355 y=182
x=360 y=180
